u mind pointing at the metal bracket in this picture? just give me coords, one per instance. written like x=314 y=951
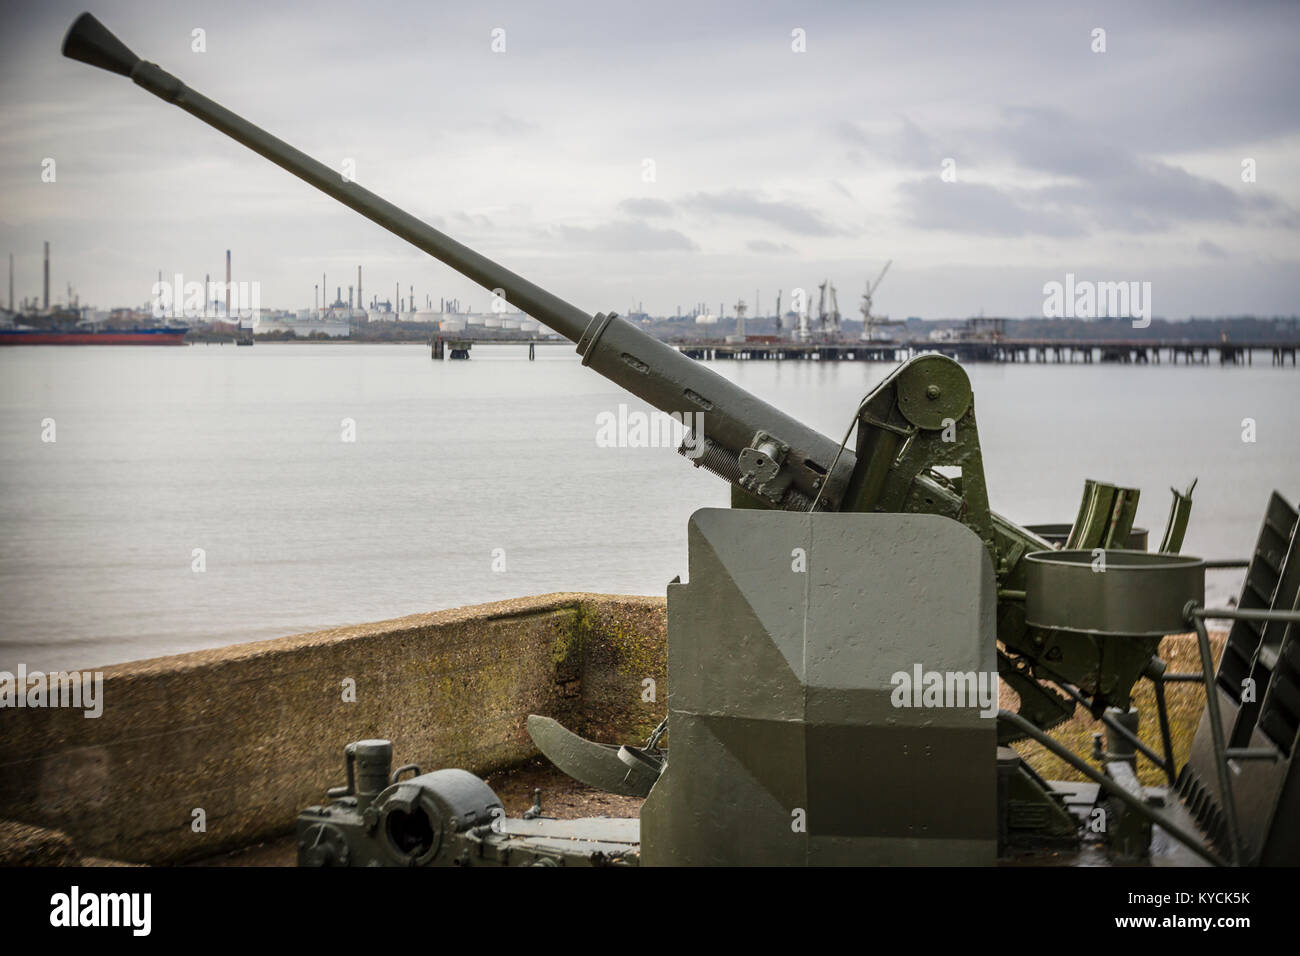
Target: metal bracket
x=761 y=467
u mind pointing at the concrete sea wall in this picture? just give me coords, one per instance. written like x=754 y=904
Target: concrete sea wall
x=250 y=734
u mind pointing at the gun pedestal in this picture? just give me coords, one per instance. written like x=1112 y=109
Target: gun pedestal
x=805 y=722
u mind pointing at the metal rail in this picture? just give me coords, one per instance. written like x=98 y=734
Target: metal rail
x=1115 y=726
x=1180 y=833
x=1197 y=616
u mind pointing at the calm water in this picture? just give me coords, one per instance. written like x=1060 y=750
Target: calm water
x=239 y=452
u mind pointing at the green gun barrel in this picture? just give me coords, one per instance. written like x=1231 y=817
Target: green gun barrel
x=779 y=460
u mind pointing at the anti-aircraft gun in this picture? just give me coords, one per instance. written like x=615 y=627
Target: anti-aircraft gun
x=834 y=655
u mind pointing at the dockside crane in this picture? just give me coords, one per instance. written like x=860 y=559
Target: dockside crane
x=869 y=321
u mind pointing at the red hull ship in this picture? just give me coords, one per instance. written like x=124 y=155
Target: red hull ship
x=163 y=336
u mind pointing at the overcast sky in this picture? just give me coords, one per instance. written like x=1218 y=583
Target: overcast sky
x=772 y=169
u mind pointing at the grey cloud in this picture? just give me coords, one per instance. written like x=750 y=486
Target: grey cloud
x=627 y=236
x=472 y=220
x=980 y=209
x=852 y=134
x=905 y=145
x=746 y=204
x=764 y=247
x=1143 y=196
x=1051 y=141
x=508 y=125
x=647 y=206
x=1213 y=250
x=1110 y=186
x=1117 y=187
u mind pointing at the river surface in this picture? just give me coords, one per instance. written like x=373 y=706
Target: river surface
x=474 y=481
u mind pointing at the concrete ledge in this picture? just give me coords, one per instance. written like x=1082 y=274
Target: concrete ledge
x=251 y=733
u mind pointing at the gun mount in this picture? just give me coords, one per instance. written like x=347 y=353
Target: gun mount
x=786 y=694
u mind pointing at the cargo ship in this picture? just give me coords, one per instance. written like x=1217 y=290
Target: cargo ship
x=160 y=336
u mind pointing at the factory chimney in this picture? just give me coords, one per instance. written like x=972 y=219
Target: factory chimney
x=359 y=299
x=47 y=277
x=350 y=298
x=207 y=292
x=11 y=282
x=227 y=283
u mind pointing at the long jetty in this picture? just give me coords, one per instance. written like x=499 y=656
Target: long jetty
x=1043 y=351
x=1124 y=352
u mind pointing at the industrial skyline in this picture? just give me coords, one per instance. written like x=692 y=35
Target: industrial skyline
x=667 y=154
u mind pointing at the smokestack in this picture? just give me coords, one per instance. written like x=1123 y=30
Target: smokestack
x=349 y=298
x=207 y=292
x=338 y=295
x=11 y=282
x=360 y=300
x=227 y=283
x=47 y=276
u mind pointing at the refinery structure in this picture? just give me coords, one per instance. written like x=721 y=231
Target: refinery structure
x=181 y=304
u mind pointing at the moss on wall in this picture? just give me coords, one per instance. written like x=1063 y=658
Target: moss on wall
x=252 y=733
